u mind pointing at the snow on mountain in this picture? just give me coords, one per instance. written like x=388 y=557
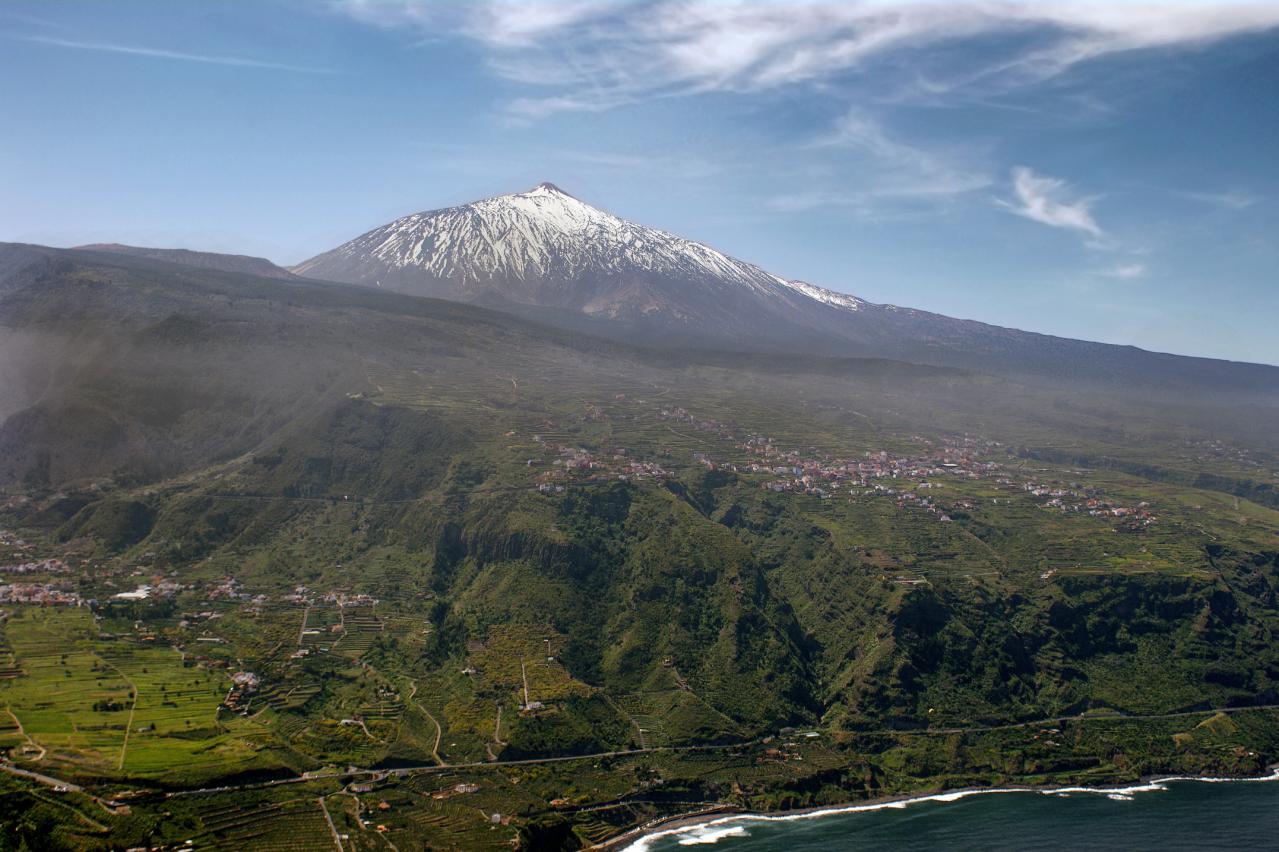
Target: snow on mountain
x=827 y=297
x=547 y=248
x=555 y=259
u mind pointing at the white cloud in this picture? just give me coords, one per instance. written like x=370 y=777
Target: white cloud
x=181 y=56
x=592 y=54
x=499 y=23
x=876 y=167
x=1125 y=271
x=1047 y=200
x=1229 y=200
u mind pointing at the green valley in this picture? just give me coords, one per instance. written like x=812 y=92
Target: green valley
x=289 y=565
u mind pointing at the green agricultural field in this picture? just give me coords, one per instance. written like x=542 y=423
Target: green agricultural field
x=111 y=706
x=72 y=703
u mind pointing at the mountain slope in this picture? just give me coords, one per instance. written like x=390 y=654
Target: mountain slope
x=113 y=361
x=546 y=248
x=200 y=259
x=549 y=256
x=685 y=548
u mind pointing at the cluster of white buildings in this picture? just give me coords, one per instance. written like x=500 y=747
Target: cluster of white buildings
x=48 y=594
x=1089 y=501
x=38 y=566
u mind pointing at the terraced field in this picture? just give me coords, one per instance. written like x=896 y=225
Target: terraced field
x=296 y=825
x=676 y=717
x=361 y=628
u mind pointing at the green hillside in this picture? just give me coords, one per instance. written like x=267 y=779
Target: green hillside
x=269 y=527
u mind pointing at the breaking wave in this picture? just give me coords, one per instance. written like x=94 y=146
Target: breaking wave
x=738 y=825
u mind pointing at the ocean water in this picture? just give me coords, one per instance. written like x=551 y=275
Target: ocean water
x=1179 y=814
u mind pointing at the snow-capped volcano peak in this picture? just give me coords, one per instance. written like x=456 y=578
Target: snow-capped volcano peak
x=546 y=188
x=546 y=247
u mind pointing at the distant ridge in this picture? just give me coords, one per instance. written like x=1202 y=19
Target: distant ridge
x=201 y=259
x=547 y=255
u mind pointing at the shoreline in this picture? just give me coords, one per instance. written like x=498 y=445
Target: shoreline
x=637 y=838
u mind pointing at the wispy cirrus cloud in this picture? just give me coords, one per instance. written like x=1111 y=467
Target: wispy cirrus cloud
x=884 y=168
x=7 y=14
x=1228 y=200
x=1051 y=201
x=1125 y=271
x=499 y=23
x=178 y=55
x=593 y=55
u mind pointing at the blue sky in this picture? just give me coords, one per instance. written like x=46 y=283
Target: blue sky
x=1100 y=171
